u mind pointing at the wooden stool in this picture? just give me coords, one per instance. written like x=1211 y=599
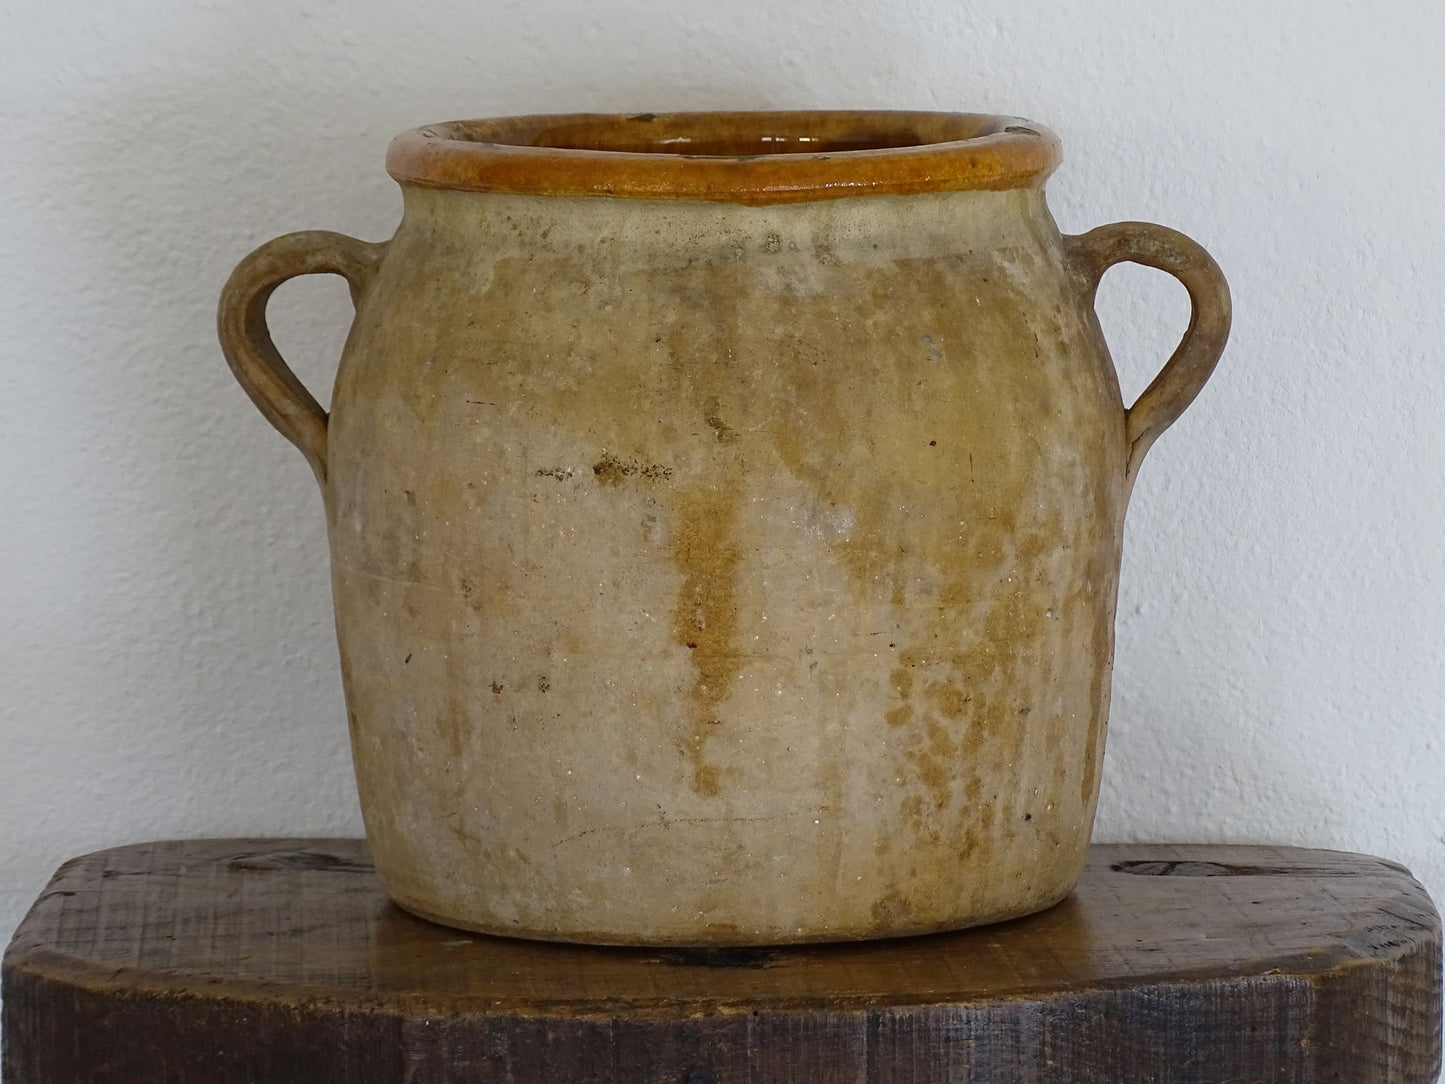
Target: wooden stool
x=281 y=961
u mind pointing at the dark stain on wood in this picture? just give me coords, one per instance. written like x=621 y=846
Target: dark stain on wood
x=283 y=861
x=719 y=957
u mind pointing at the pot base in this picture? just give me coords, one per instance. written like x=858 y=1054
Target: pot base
x=715 y=937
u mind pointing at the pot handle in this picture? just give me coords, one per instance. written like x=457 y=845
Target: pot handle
x=246 y=341
x=1198 y=351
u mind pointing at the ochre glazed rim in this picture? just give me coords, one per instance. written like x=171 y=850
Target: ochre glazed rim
x=750 y=158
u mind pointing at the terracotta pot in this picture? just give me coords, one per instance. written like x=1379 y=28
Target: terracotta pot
x=725 y=518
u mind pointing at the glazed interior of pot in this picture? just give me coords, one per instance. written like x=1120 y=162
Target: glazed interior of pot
x=730 y=135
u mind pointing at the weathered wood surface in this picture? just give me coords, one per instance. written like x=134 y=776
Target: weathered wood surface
x=281 y=961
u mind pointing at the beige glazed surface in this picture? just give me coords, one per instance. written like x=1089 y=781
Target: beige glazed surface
x=725 y=555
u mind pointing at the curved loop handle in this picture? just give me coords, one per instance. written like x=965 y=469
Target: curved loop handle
x=1198 y=351
x=246 y=341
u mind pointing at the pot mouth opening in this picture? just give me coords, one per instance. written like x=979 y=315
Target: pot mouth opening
x=747 y=157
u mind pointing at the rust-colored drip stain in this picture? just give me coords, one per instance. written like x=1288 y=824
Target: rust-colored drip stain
x=810 y=454
x=1099 y=688
x=705 y=621
x=949 y=698
x=953 y=734
x=1091 y=759
x=838 y=418
x=937 y=763
x=902 y=681
x=892 y=911
x=901 y=715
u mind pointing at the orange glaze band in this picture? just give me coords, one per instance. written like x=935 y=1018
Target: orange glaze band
x=748 y=158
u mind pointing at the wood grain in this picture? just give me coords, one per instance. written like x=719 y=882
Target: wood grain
x=282 y=961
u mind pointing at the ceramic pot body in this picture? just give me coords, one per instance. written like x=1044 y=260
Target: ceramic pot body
x=711 y=571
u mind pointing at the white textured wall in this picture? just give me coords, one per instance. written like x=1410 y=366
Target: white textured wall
x=167 y=666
